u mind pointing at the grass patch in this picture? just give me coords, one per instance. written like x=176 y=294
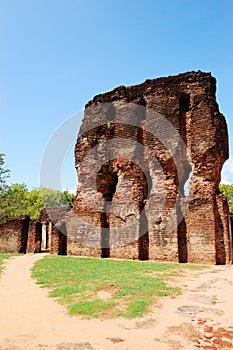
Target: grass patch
x=94 y=308
x=104 y=287
x=2 y=258
x=214 y=300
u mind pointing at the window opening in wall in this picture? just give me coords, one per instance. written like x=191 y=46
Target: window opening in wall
x=111 y=112
x=184 y=103
x=187 y=184
x=149 y=183
x=141 y=109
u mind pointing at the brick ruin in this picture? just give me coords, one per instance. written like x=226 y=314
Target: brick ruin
x=149 y=160
x=58 y=241
x=14 y=235
x=48 y=233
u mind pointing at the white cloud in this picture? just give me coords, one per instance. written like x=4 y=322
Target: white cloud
x=227 y=172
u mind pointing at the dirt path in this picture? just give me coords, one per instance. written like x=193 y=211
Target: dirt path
x=202 y=317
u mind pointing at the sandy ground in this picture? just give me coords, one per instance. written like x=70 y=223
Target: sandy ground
x=200 y=318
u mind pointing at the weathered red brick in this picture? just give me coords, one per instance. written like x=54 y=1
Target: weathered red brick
x=191 y=228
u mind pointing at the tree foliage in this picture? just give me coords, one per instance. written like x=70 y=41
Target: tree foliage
x=17 y=200
x=69 y=198
x=13 y=202
x=227 y=190
x=4 y=173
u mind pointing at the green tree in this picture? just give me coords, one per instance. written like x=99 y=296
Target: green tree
x=4 y=173
x=13 y=202
x=52 y=198
x=41 y=197
x=227 y=190
x=16 y=200
x=69 y=198
x=34 y=203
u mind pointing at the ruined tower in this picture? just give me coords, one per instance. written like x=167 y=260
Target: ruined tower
x=149 y=160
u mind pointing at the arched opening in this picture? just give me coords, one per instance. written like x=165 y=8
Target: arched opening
x=106 y=183
x=226 y=172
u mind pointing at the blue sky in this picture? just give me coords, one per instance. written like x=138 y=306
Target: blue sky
x=56 y=55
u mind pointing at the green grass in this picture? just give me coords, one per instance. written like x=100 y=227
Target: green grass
x=2 y=258
x=214 y=301
x=104 y=287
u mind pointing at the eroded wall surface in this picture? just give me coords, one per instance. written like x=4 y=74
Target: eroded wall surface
x=14 y=235
x=149 y=160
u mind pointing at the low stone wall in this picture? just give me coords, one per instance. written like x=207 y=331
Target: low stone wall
x=22 y=235
x=14 y=235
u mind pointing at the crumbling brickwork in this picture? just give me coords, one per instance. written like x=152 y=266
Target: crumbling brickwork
x=138 y=150
x=14 y=234
x=58 y=244
x=49 y=230
x=54 y=221
x=22 y=235
x=34 y=237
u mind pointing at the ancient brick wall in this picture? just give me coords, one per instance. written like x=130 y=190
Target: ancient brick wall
x=59 y=239
x=52 y=220
x=34 y=237
x=23 y=235
x=14 y=234
x=53 y=214
x=137 y=150
x=58 y=236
